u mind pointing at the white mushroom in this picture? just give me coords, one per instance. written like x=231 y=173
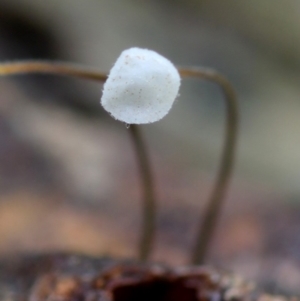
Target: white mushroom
x=141 y=87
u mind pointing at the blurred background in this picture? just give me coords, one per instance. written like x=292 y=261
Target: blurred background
x=68 y=176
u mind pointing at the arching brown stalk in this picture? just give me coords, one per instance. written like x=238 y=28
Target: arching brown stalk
x=215 y=202
x=60 y=68
x=47 y=67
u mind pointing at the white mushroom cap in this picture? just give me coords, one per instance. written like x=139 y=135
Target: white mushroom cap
x=141 y=87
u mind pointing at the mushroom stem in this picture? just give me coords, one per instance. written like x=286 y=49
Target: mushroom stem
x=216 y=199
x=149 y=208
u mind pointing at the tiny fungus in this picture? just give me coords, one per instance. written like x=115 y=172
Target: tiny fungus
x=141 y=88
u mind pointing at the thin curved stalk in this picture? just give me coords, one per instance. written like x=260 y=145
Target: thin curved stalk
x=216 y=199
x=67 y=69
x=149 y=208
x=47 y=67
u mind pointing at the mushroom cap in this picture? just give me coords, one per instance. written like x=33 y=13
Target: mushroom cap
x=141 y=87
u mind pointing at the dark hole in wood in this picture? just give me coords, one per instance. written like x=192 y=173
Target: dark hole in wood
x=155 y=290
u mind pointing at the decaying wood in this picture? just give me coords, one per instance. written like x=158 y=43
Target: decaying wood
x=63 y=277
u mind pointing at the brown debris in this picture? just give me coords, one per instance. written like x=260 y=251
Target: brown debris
x=63 y=277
